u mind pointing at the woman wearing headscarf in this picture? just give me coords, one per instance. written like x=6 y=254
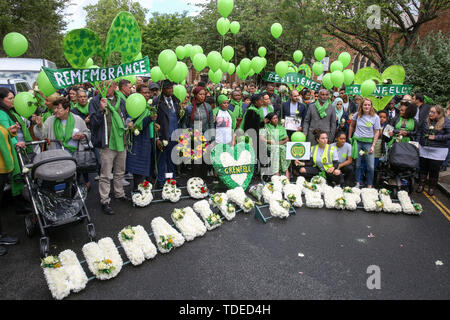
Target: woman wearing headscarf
x=276 y=137
x=433 y=138
x=341 y=116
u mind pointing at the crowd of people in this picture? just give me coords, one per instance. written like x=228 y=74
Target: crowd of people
x=348 y=136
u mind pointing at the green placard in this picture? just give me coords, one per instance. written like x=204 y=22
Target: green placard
x=292 y=78
x=64 y=78
x=382 y=90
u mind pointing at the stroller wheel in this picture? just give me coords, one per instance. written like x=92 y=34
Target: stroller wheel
x=30 y=226
x=91 y=231
x=44 y=244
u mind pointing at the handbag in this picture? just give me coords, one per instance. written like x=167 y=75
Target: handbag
x=86 y=159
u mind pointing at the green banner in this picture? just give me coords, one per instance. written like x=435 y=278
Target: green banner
x=382 y=90
x=64 y=78
x=292 y=78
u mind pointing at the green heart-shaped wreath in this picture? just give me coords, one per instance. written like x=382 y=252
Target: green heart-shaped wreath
x=396 y=74
x=237 y=171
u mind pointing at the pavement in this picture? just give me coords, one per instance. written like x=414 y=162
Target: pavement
x=316 y=254
x=444 y=182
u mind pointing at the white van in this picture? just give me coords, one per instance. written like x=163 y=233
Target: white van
x=23 y=68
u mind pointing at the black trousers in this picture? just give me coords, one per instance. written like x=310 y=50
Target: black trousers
x=3 y=179
x=348 y=176
x=429 y=167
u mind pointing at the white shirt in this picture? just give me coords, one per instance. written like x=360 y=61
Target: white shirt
x=224 y=130
x=293 y=109
x=345 y=106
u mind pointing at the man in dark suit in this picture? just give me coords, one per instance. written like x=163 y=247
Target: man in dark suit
x=422 y=109
x=168 y=118
x=294 y=108
x=275 y=99
x=391 y=110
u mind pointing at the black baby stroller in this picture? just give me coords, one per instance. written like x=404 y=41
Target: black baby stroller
x=56 y=197
x=397 y=172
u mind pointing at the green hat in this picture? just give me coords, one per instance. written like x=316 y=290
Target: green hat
x=221 y=99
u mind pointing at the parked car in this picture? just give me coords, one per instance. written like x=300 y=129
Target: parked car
x=16 y=85
x=23 y=68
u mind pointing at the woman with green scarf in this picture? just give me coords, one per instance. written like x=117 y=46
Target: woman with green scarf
x=276 y=137
x=405 y=126
x=81 y=108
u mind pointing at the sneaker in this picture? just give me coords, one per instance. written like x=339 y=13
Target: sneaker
x=8 y=240
x=107 y=209
x=3 y=251
x=97 y=178
x=111 y=176
x=125 y=183
x=128 y=176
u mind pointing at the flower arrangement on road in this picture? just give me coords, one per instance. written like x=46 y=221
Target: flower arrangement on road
x=408 y=206
x=293 y=194
x=144 y=196
x=170 y=191
x=103 y=258
x=388 y=205
x=210 y=219
x=277 y=182
x=188 y=223
x=238 y=196
x=197 y=188
x=369 y=198
x=137 y=244
x=166 y=236
x=279 y=208
x=227 y=209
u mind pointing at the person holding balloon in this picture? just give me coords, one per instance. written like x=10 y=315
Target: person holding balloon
x=363 y=134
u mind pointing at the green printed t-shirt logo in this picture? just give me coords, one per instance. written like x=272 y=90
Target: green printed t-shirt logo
x=298 y=150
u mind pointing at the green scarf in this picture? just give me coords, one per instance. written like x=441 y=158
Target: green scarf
x=46 y=115
x=354 y=142
x=322 y=109
x=11 y=164
x=7 y=155
x=65 y=134
x=252 y=107
x=72 y=105
x=84 y=110
x=121 y=95
x=279 y=131
x=237 y=108
x=117 y=129
x=409 y=128
x=261 y=112
x=25 y=131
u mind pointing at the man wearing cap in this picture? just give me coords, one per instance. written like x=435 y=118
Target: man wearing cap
x=168 y=117
x=154 y=90
x=224 y=120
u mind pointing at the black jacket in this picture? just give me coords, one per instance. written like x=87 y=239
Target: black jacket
x=441 y=137
x=396 y=114
x=424 y=111
x=276 y=103
x=98 y=121
x=163 y=115
x=302 y=109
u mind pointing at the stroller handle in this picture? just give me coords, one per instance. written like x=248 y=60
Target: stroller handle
x=40 y=142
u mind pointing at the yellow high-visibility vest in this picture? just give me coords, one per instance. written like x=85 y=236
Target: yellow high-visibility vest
x=327 y=156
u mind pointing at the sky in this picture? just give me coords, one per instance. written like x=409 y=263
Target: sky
x=78 y=18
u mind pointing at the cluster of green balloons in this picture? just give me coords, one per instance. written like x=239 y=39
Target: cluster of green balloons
x=15 y=44
x=337 y=75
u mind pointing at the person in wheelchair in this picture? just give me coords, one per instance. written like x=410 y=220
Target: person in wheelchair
x=324 y=160
x=275 y=137
x=344 y=150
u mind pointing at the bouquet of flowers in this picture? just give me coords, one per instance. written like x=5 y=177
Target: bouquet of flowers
x=407 y=205
x=330 y=196
x=279 y=208
x=64 y=274
x=137 y=244
x=293 y=194
x=256 y=191
x=238 y=196
x=188 y=223
x=170 y=191
x=184 y=145
x=220 y=200
x=144 y=197
x=340 y=203
x=103 y=258
x=210 y=219
x=386 y=200
x=277 y=184
x=197 y=188
x=166 y=236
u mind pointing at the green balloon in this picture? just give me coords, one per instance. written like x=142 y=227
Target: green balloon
x=195 y=50
x=188 y=47
x=180 y=92
x=181 y=52
x=336 y=66
x=224 y=67
x=262 y=52
x=320 y=53
x=156 y=74
x=257 y=64
x=132 y=79
x=223 y=26
x=264 y=62
x=225 y=7
x=167 y=60
x=45 y=85
x=136 y=105
x=25 y=104
x=345 y=59
x=214 y=60
x=15 y=44
x=368 y=88
x=281 y=68
x=89 y=63
x=349 y=76
x=179 y=73
x=240 y=74
x=246 y=65
x=317 y=68
x=337 y=78
x=200 y=62
x=326 y=81
x=276 y=30
x=251 y=73
x=298 y=137
x=298 y=56
x=235 y=27
x=231 y=68
x=215 y=77
x=228 y=53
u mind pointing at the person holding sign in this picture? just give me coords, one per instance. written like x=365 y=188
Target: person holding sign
x=365 y=130
x=294 y=112
x=275 y=136
x=324 y=160
x=322 y=116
